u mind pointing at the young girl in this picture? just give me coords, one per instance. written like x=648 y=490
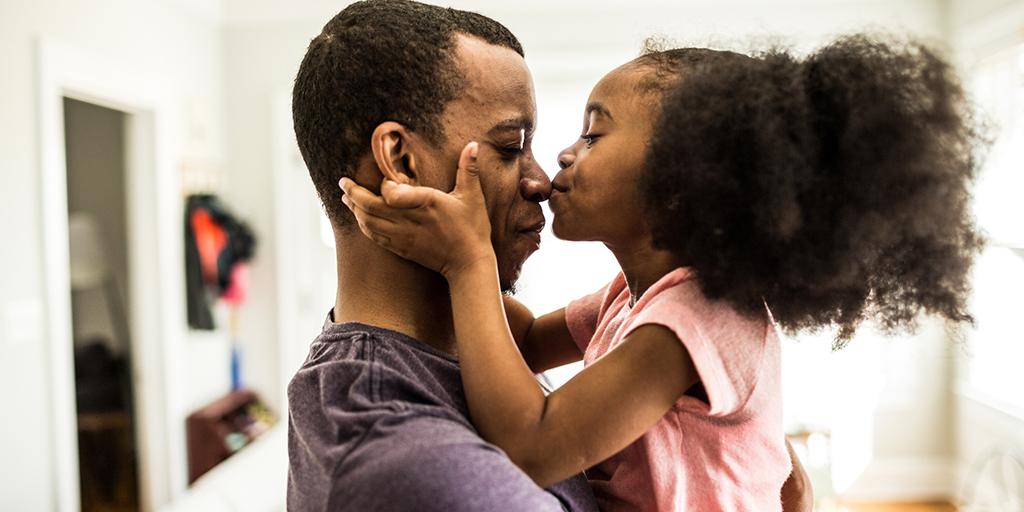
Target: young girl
x=737 y=194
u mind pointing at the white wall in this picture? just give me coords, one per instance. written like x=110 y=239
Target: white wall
x=178 y=44
x=885 y=402
x=262 y=61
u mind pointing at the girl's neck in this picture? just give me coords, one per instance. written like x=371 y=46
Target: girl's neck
x=642 y=265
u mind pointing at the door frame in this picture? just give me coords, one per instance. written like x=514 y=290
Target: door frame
x=155 y=270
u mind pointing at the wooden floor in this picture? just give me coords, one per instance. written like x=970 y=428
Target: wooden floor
x=887 y=507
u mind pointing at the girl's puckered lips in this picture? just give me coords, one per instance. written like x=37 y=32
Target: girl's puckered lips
x=555 y=199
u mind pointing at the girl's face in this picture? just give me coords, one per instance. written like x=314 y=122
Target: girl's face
x=594 y=195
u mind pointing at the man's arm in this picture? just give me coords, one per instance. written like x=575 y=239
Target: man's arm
x=797 y=492
x=544 y=342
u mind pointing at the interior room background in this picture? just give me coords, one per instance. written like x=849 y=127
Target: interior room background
x=206 y=90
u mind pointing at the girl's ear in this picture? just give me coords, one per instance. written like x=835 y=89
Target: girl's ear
x=391 y=145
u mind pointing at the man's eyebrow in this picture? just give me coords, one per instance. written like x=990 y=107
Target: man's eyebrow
x=514 y=124
x=596 y=106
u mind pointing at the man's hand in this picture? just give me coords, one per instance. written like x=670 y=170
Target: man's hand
x=443 y=232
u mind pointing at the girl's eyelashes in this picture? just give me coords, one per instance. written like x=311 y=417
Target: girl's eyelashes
x=589 y=139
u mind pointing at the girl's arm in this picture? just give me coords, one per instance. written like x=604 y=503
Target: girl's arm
x=602 y=410
x=596 y=414
x=544 y=342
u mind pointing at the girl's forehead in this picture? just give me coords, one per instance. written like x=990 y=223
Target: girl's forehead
x=620 y=78
x=619 y=90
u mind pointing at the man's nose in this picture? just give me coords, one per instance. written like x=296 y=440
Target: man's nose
x=535 y=185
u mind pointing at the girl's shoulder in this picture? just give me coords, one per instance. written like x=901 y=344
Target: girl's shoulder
x=729 y=349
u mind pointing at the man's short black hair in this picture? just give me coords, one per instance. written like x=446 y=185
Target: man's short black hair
x=377 y=61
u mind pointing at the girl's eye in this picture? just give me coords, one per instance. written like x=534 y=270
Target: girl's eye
x=589 y=139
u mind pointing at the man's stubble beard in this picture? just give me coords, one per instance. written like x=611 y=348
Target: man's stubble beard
x=508 y=286
x=509 y=279
x=509 y=289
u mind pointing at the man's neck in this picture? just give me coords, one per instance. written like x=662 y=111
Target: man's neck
x=376 y=287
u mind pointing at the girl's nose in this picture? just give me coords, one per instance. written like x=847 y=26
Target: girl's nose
x=566 y=158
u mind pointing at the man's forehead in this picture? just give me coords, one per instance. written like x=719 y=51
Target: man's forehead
x=497 y=85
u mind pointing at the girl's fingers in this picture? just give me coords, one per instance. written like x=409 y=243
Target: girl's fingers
x=409 y=202
x=359 y=195
x=382 y=231
x=385 y=225
x=368 y=222
x=406 y=196
x=467 y=176
x=363 y=199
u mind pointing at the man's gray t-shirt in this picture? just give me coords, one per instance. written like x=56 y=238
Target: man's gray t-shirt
x=378 y=421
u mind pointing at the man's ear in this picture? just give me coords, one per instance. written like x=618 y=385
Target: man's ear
x=391 y=146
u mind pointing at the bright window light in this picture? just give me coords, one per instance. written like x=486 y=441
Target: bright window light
x=996 y=345
x=998 y=89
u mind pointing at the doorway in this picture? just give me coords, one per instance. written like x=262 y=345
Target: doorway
x=152 y=294
x=94 y=139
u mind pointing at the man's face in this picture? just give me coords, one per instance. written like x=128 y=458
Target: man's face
x=497 y=109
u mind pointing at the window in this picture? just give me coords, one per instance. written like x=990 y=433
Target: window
x=996 y=345
x=998 y=87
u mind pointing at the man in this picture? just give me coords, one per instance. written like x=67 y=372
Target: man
x=378 y=420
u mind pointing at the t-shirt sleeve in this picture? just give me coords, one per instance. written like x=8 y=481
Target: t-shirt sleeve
x=582 y=316
x=726 y=348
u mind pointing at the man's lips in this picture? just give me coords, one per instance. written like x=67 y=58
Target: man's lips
x=532 y=231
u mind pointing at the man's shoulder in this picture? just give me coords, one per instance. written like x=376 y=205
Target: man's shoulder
x=378 y=423
x=343 y=399
x=356 y=362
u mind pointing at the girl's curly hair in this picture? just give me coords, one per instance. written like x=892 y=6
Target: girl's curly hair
x=834 y=188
